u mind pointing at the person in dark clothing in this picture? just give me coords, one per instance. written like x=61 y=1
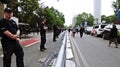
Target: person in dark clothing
x=69 y=30
x=55 y=32
x=113 y=36
x=77 y=30
x=43 y=28
x=81 y=31
x=10 y=41
x=58 y=31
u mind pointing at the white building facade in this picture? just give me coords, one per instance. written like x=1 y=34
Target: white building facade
x=97 y=11
x=74 y=21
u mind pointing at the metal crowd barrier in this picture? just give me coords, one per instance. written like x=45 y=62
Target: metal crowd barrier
x=60 y=62
x=54 y=53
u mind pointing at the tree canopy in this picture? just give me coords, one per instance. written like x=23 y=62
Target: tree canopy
x=31 y=12
x=116 y=6
x=85 y=16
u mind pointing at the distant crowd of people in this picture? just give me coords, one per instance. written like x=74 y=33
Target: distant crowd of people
x=76 y=30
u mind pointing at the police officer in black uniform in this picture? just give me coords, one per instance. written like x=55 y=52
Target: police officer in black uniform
x=55 y=32
x=43 y=28
x=10 y=41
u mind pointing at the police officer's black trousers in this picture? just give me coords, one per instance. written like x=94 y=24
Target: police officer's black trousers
x=43 y=41
x=8 y=49
x=54 y=36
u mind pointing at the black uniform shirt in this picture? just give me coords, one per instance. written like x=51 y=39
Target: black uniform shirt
x=9 y=25
x=55 y=28
x=113 y=33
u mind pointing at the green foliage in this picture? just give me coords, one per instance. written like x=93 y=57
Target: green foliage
x=103 y=18
x=84 y=16
x=90 y=20
x=116 y=6
x=28 y=7
x=32 y=12
x=52 y=15
x=108 y=19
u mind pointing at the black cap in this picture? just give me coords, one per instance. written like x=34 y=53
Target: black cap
x=8 y=10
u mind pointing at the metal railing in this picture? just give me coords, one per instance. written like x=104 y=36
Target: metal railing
x=60 y=62
x=54 y=53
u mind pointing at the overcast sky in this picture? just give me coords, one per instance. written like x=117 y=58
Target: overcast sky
x=70 y=8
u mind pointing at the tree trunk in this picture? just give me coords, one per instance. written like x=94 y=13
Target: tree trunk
x=1 y=10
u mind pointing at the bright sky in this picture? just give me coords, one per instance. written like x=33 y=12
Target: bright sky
x=70 y=8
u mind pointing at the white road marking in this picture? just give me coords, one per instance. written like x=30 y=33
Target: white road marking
x=80 y=54
x=69 y=53
x=70 y=63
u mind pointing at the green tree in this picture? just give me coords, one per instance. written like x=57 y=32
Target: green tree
x=31 y=12
x=110 y=19
x=103 y=18
x=55 y=17
x=90 y=20
x=27 y=9
x=52 y=15
x=85 y=16
x=79 y=20
x=116 y=6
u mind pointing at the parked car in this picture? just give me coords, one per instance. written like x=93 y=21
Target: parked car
x=88 y=30
x=98 y=30
x=106 y=32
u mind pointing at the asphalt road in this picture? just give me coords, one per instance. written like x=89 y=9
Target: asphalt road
x=94 y=52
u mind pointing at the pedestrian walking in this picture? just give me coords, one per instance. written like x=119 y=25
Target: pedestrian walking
x=81 y=31
x=77 y=30
x=10 y=40
x=43 y=28
x=113 y=36
x=69 y=30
